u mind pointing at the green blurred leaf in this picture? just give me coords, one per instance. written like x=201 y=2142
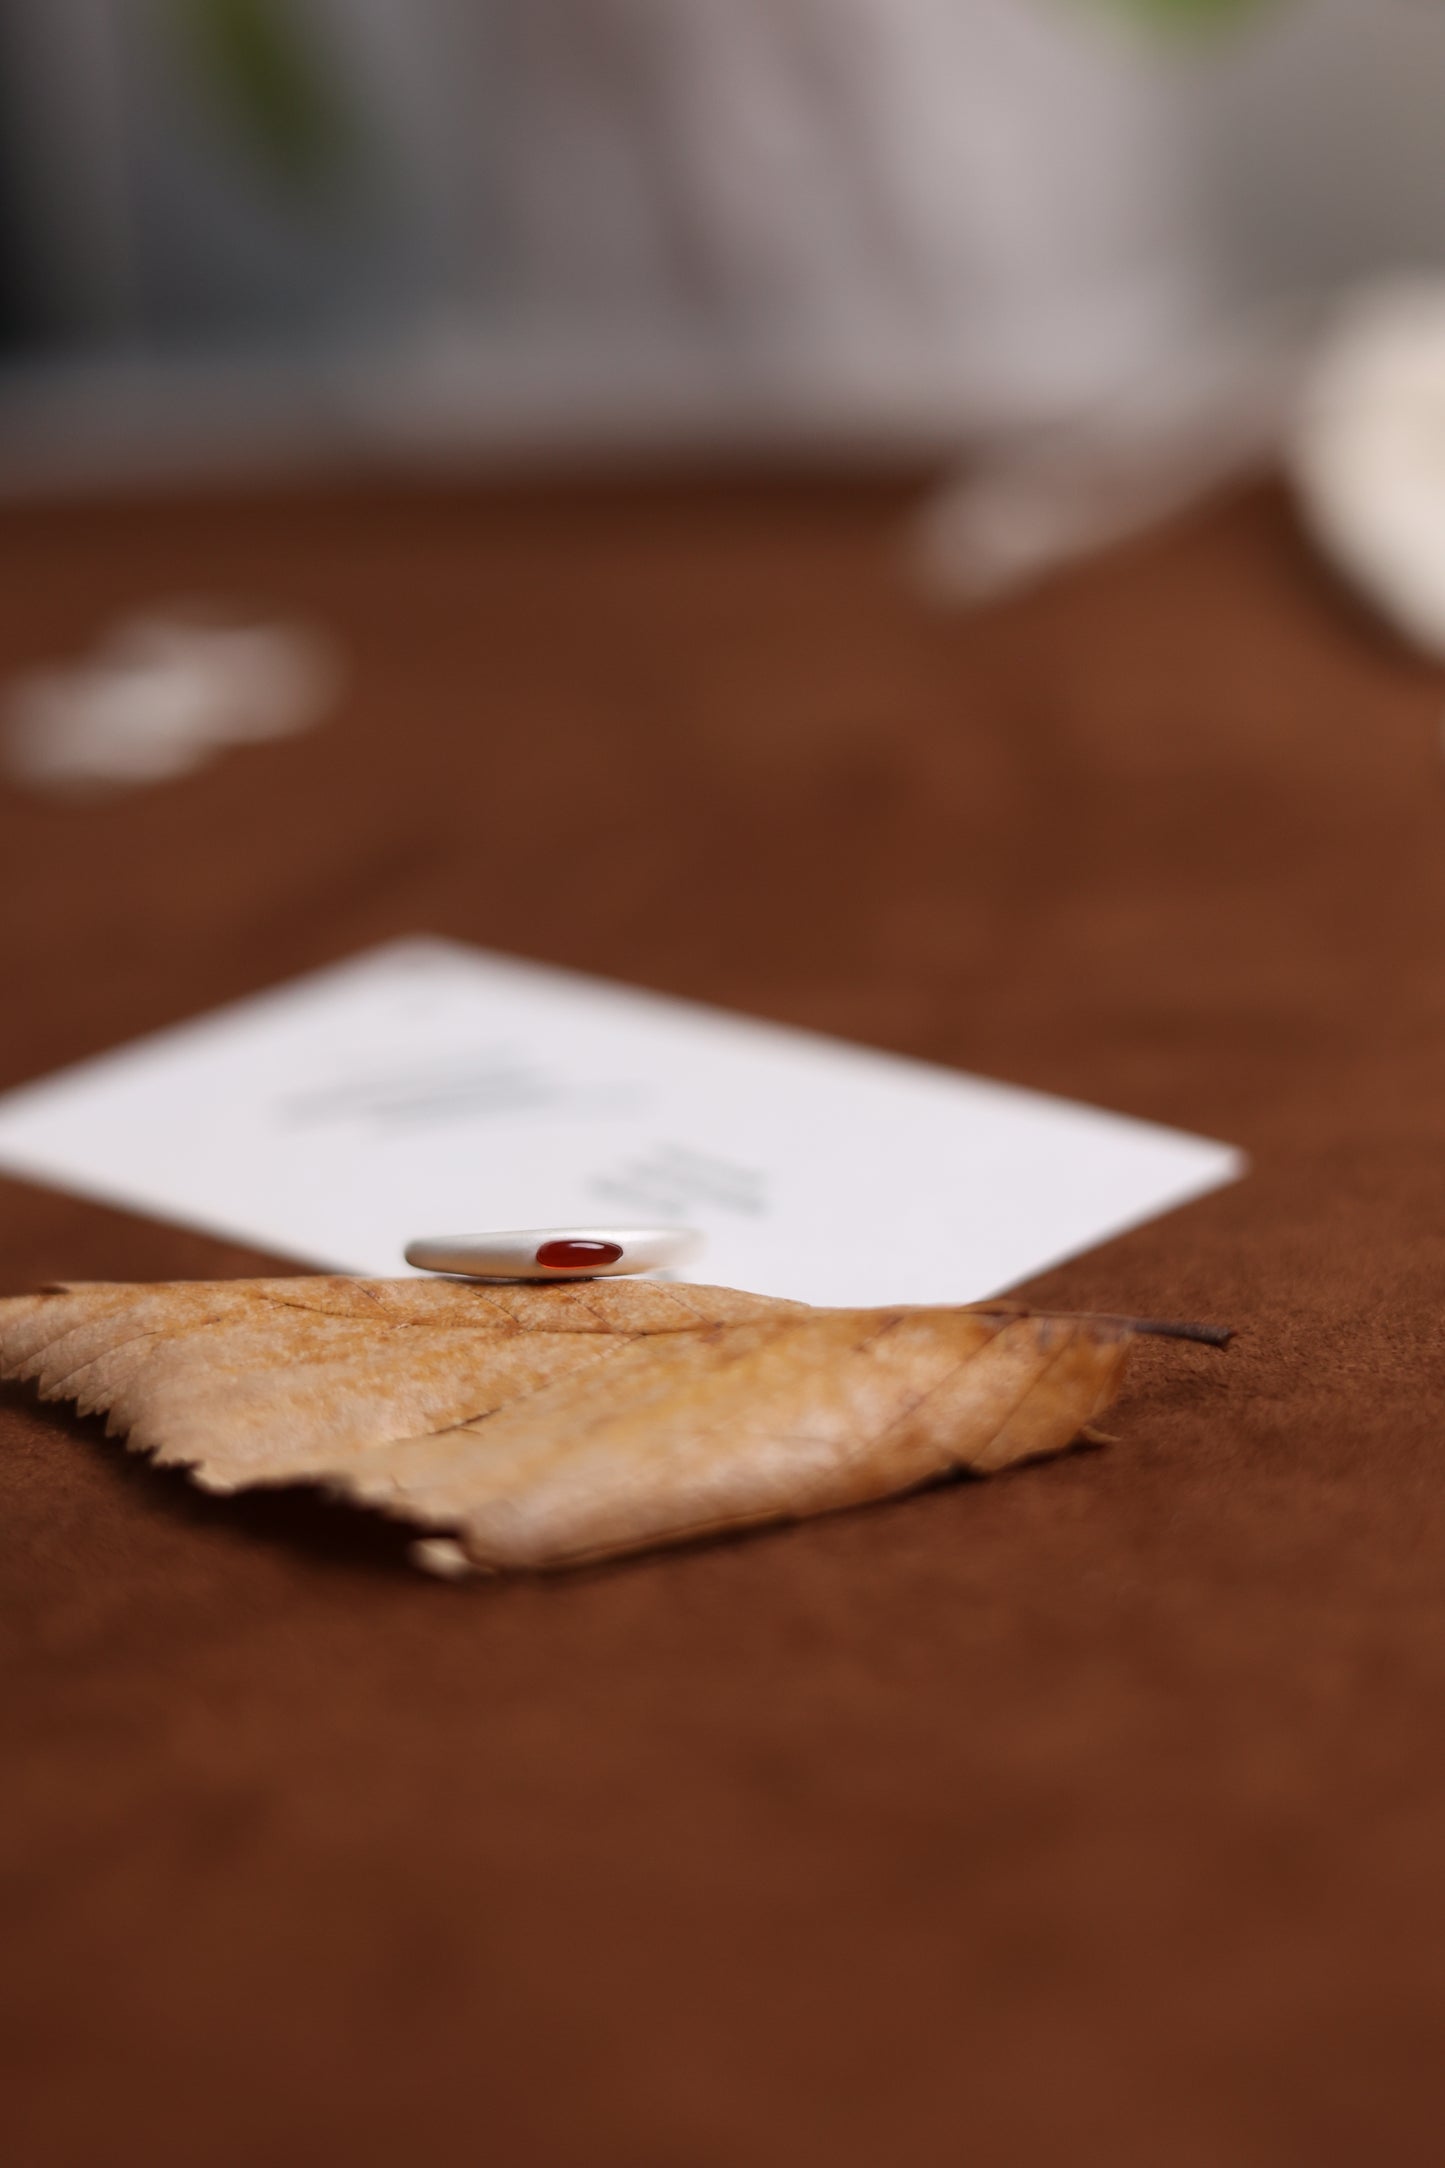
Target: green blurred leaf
x=1188 y=14
x=261 y=62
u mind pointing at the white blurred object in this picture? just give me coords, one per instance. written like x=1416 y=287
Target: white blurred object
x=1031 y=503
x=250 y=679
x=1001 y=194
x=162 y=695
x=1367 y=453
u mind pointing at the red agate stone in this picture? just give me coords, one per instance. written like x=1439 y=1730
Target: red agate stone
x=570 y=1256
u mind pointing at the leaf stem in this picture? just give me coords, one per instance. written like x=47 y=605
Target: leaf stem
x=1165 y=1329
x=1161 y=1328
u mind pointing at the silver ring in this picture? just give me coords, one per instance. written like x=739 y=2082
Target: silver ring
x=555 y=1253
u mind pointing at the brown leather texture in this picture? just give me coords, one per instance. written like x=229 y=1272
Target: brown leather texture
x=1095 y=1812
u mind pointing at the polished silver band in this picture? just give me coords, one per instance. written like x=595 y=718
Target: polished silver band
x=555 y=1253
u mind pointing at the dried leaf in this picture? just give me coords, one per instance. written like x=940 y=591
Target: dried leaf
x=541 y=1426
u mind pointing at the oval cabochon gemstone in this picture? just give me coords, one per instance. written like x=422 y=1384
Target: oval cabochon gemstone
x=566 y=1256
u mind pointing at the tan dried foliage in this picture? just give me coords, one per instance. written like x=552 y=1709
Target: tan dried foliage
x=543 y=1426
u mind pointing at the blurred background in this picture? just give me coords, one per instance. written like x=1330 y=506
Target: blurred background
x=238 y=231
x=1068 y=263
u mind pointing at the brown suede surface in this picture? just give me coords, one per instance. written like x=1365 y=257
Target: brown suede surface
x=1094 y=1813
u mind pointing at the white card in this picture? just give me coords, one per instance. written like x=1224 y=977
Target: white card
x=430 y=1088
